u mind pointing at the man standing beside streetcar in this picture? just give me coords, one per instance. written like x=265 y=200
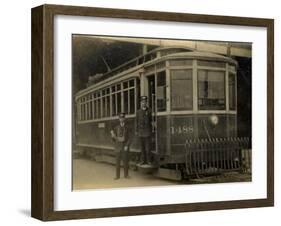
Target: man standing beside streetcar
x=144 y=130
x=120 y=136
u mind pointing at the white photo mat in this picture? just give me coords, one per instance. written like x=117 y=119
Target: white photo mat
x=66 y=199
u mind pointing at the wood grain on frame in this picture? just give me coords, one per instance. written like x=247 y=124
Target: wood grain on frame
x=42 y=111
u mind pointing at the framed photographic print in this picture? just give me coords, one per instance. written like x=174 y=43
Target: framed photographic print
x=141 y=112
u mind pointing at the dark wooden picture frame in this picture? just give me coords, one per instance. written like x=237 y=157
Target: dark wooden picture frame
x=42 y=203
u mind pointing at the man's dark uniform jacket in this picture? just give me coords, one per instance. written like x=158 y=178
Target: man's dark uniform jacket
x=143 y=123
x=121 y=140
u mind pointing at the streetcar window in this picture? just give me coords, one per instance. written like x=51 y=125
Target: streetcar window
x=141 y=60
x=113 y=89
x=89 y=115
x=105 y=103
x=98 y=108
x=128 y=97
x=81 y=109
x=116 y=99
x=181 y=62
x=103 y=107
x=78 y=109
x=84 y=109
x=87 y=108
x=113 y=105
x=93 y=101
x=91 y=110
x=97 y=105
x=81 y=114
x=107 y=106
x=181 y=89
x=138 y=93
x=232 y=91
x=132 y=101
x=126 y=101
x=161 y=91
x=95 y=109
x=118 y=103
x=207 y=63
x=211 y=90
x=125 y=85
x=132 y=83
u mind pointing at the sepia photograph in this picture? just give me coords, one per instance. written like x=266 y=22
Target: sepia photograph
x=160 y=112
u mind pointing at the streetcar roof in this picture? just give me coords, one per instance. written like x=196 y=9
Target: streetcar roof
x=184 y=53
x=142 y=59
x=203 y=56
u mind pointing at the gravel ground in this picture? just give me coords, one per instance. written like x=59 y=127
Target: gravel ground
x=89 y=174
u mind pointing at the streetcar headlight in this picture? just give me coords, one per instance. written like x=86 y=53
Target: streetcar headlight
x=214 y=119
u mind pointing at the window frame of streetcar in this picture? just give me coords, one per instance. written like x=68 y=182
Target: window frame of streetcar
x=192 y=96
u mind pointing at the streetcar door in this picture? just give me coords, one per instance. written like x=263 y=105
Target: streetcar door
x=151 y=92
x=152 y=104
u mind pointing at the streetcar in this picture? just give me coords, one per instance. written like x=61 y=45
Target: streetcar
x=193 y=97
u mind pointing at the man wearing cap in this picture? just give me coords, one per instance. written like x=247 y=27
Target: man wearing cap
x=120 y=136
x=144 y=130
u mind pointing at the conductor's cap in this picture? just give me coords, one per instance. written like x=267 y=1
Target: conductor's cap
x=143 y=98
x=122 y=115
